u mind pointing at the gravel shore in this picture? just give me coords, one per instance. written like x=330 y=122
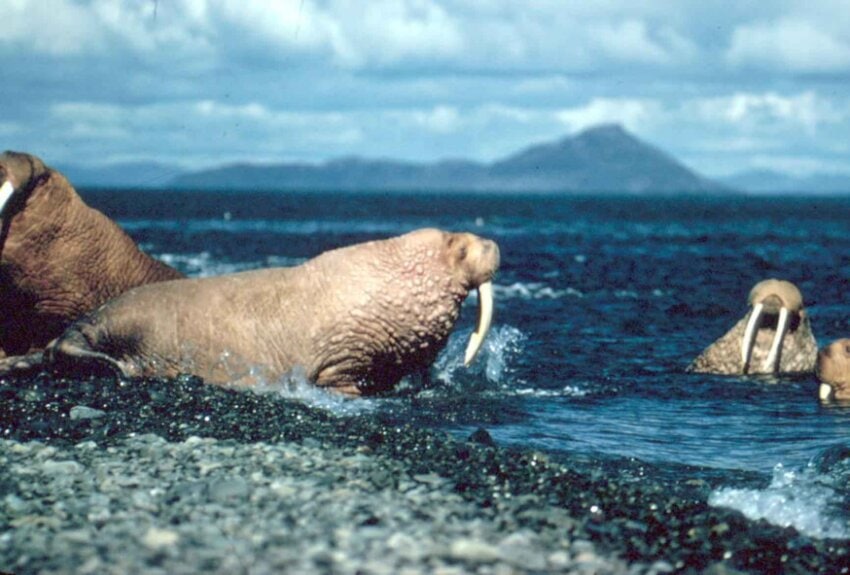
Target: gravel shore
x=100 y=476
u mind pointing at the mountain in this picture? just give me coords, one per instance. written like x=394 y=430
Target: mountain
x=130 y=174
x=768 y=181
x=605 y=158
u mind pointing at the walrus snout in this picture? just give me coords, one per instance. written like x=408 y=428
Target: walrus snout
x=20 y=169
x=484 y=259
x=490 y=259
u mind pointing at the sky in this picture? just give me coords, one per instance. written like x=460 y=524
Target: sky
x=722 y=86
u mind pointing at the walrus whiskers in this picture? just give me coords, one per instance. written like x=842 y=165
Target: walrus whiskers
x=485 y=318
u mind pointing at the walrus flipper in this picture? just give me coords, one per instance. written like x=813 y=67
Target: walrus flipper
x=19 y=364
x=71 y=353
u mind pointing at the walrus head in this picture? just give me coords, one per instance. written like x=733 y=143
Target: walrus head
x=776 y=305
x=833 y=370
x=476 y=261
x=18 y=173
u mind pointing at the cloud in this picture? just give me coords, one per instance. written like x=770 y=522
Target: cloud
x=634 y=114
x=630 y=41
x=770 y=111
x=793 y=45
x=54 y=27
x=376 y=35
x=209 y=81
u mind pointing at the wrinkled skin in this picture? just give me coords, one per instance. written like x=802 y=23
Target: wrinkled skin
x=59 y=259
x=355 y=319
x=795 y=348
x=833 y=370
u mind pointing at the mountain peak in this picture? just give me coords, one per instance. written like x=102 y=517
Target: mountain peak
x=612 y=129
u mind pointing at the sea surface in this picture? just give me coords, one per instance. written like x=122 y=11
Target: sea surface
x=601 y=303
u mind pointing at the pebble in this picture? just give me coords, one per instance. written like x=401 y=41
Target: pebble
x=474 y=551
x=155 y=538
x=79 y=412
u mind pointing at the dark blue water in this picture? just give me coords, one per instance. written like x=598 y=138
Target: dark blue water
x=601 y=304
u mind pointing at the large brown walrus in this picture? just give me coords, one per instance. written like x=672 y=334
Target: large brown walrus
x=833 y=370
x=355 y=319
x=774 y=337
x=59 y=258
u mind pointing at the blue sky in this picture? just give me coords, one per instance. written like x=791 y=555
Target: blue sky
x=723 y=86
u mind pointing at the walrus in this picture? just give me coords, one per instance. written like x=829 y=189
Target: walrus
x=59 y=258
x=355 y=319
x=773 y=337
x=833 y=370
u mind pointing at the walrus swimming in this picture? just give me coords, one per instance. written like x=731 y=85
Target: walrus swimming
x=833 y=370
x=774 y=337
x=355 y=319
x=59 y=258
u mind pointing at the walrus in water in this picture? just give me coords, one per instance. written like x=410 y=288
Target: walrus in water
x=59 y=258
x=774 y=337
x=355 y=319
x=833 y=370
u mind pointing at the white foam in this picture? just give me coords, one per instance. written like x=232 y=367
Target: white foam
x=566 y=391
x=803 y=499
x=203 y=264
x=534 y=290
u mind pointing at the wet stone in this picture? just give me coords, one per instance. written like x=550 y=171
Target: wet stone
x=79 y=412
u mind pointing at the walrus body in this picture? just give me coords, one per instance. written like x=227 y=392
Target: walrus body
x=356 y=319
x=774 y=337
x=833 y=370
x=59 y=258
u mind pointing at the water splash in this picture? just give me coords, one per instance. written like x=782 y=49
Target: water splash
x=492 y=365
x=296 y=386
x=813 y=499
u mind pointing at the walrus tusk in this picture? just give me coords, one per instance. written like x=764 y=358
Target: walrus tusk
x=485 y=317
x=750 y=335
x=824 y=391
x=771 y=363
x=6 y=191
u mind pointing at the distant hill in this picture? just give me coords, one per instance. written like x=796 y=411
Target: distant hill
x=768 y=181
x=605 y=158
x=130 y=174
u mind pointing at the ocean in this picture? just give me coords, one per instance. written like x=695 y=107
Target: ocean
x=601 y=303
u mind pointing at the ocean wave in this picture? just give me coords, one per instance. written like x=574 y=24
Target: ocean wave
x=534 y=290
x=566 y=391
x=286 y=227
x=203 y=264
x=813 y=499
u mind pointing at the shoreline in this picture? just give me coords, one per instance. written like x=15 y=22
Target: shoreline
x=339 y=494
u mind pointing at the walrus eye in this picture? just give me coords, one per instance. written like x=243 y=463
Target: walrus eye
x=847 y=349
x=461 y=253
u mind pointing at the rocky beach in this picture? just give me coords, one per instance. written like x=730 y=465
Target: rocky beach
x=102 y=476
